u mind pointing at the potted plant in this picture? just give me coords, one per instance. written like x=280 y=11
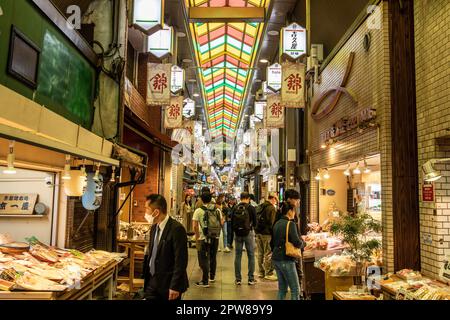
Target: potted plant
x=355 y=231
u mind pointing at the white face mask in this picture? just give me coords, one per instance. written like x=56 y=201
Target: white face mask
x=149 y=218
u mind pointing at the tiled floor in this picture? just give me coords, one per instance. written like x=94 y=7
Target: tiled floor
x=224 y=287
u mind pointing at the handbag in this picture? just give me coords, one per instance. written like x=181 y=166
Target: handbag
x=291 y=250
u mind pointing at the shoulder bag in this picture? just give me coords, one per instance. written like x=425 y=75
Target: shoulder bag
x=291 y=250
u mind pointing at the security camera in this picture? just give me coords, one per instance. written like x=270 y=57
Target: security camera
x=49 y=181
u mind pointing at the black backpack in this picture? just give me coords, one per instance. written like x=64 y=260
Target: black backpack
x=211 y=223
x=241 y=220
x=261 y=219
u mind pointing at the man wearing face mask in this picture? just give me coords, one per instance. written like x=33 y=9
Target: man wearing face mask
x=165 y=276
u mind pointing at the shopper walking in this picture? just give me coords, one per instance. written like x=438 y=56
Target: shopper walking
x=231 y=204
x=265 y=216
x=243 y=222
x=187 y=212
x=165 y=277
x=226 y=212
x=285 y=265
x=207 y=226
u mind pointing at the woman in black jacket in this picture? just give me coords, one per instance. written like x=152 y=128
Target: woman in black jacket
x=285 y=265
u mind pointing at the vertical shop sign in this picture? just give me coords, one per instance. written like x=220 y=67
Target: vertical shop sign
x=293 y=41
x=274 y=115
x=293 y=85
x=189 y=108
x=160 y=43
x=158 y=91
x=176 y=79
x=148 y=15
x=274 y=77
x=173 y=115
x=428 y=192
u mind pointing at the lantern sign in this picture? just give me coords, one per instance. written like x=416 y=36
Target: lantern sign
x=189 y=108
x=148 y=15
x=173 y=117
x=160 y=43
x=274 y=117
x=293 y=85
x=176 y=80
x=158 y=90
x=274 y=77
x=293 y=41
x=259 y=109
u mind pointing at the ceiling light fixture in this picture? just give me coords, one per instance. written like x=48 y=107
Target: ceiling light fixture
x=366 y=167
x=347 y=171
x=187 y=60
x=323 y=145
x=264 y=61
x=97 y=173
x=10 y=160
x=318 y=177
x=113 y=174
x=181 y=34
x=66 y=175
x=196 y=95
x=273 y=33
x=430 y=173
x=326 y=176
x=357 y=170
x=192 y=80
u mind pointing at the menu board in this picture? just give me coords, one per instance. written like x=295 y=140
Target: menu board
x=17 y=203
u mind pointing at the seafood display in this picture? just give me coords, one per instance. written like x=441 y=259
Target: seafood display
x=44 y=268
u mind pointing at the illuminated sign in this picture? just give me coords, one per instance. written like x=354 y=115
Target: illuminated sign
x=148 y=15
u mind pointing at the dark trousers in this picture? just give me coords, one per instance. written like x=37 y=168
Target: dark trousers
x=152 y=292
x=230 y=234
x=207 y=258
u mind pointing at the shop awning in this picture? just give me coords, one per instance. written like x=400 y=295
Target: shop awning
x=26 y=121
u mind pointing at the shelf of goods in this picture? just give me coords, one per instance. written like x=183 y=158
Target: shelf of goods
x=35 y=271
x=411 y=285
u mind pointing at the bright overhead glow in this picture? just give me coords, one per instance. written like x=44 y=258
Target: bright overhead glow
x=326 y=176
x=181 y=34
x=318 y=177
x=187 y=60
x=357 y=170
x=66 y=174
x=273 y=33
x=347 y=171
x=264 y=61
x=196 y=95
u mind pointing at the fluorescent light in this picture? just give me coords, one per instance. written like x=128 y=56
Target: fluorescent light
x=187 y=60
x=323 y=146
x=264 y=61
x=196 y=95
x=181 y=34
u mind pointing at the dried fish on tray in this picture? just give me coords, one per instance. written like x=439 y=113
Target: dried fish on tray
x=33 y=282
x=44 y=254
x=6 y=285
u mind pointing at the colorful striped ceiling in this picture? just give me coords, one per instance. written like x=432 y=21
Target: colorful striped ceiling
x=225 y=52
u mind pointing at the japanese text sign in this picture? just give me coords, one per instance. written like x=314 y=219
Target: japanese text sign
x=274 y=115
x=160 y=43
x=158 y=92
x=293 y=85
x=173 y=117
x=274 y=77
x=293 y=41
x=21 y=204
x=177 y=79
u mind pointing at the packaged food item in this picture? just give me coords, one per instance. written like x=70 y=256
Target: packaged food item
x=29 y=281
x=408 y=274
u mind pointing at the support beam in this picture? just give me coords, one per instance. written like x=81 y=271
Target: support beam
x=226 y=14
x=404 y=136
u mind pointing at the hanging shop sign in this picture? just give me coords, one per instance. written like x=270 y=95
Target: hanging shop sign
x=148 y=15
x=293 y=41
x=92 y=196
x=189 y=108
x=274 y=77
x=293 y=85
x=318 y=112
x=160 y=43
x=17 y=203
x=173 y=115
x=158 y=90
x=344 y=125
x=274 y=115
x=176 y=79
x=428 y=192
x=260 y=106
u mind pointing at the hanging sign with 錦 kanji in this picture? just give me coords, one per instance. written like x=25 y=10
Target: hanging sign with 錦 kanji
x=293 y=85
x=293 y=41
x=158 y=92
x=17 y=204
x=148 y=15
x=274 y=115
x=176 y=79
x=173 y=116
x=274 y=77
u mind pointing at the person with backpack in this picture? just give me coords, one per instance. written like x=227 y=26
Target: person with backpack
x=243 y=223
x=265 y=215
x=207 y=227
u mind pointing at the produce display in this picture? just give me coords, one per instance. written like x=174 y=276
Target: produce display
x=322 y=241
x=45 y=268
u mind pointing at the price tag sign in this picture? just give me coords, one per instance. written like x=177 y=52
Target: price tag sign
x=428 y=192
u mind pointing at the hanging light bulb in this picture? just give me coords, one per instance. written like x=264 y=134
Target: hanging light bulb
x=97 y=172
x=113 y=174
x=366 y=167
x=326 y=176
x=347 y=171
x=66 y=175
x=318 y=177
x=357 y=170
x=10 y=159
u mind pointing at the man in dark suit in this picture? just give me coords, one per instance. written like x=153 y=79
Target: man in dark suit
x=165 y=275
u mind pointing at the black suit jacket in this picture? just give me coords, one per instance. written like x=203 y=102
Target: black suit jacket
x=171 y=260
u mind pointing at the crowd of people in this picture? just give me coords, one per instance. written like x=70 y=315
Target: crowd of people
x=222 y=221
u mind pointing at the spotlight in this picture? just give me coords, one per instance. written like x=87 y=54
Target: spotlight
x=196 y=95
x=97 y=173
x=431 y=174
x=347 y=171
x=264 y=61
x=326 y=176
x=66 y=175
x=318 y=177
x=323 y=145
x=357 y=170
x=366 y=167
x=113 y=174
x=10 y=159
